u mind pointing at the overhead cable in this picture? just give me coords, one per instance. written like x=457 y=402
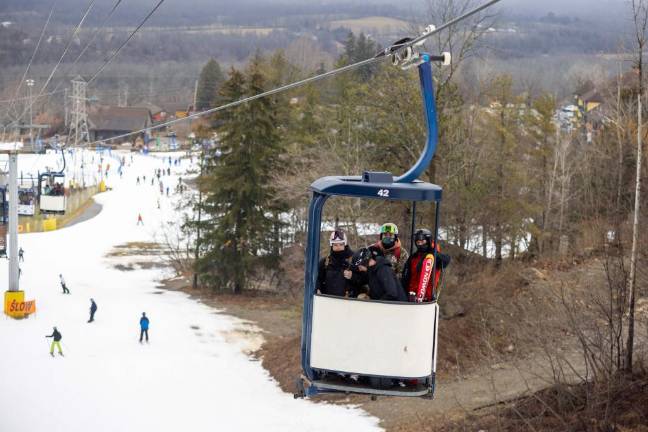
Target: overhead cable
x=379 y=57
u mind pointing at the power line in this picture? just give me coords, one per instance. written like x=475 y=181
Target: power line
x=107 y=62
x=11 y=103
x=394 y=49
x=92 y=39
x=67 y=47
x=27 y=97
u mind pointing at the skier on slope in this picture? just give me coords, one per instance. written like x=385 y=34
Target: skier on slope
x=93 y=309
x=418 y=281
x=65 y=289
x=56 y=342
x=144 y=326
x=140 y=221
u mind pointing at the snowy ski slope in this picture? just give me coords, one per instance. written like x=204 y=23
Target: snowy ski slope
x=187 y=378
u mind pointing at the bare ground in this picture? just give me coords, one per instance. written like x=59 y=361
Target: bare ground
x=489 y=351
x=495 y=334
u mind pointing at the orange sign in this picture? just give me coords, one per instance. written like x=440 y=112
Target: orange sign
x=15 y=306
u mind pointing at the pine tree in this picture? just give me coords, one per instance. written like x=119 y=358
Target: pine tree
x=239 y=195
x=211 y=78
x=358 y=49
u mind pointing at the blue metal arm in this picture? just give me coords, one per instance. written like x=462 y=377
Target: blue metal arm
x=429 y=109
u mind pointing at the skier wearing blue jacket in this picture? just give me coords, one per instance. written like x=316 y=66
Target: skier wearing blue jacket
x=144 y=325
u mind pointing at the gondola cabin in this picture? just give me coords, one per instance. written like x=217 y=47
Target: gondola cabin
x=51 y=192
x=27 y=196
x=387 y=344
x=367 y=346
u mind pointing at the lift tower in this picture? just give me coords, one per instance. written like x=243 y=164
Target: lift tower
x=79 y=115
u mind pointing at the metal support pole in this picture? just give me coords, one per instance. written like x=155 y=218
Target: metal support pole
x=412 y=245
x=13 y=222
x=30 y=84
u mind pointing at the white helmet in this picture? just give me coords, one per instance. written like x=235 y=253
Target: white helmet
x=338 y=237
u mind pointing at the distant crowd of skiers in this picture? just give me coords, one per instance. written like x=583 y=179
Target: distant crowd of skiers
x=158 y=173
x=384 y=270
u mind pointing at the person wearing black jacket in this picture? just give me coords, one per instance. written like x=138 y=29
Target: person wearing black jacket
x=383 y=284
x=334 y=276
x=56 y=335
x=93 y=310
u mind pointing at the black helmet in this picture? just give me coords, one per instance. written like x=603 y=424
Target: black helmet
x=423 y=234
x=362 y=256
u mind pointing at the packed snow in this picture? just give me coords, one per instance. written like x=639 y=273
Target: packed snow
x=189 y=377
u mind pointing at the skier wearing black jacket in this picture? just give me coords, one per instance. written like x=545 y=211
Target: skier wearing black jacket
x=383 y=284
x=56 y=341
x=334 y=276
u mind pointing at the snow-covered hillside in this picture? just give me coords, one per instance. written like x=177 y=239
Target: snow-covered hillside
x=188 y=378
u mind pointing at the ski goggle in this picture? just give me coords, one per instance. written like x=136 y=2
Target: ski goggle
x=337 y=237
x=389 y=228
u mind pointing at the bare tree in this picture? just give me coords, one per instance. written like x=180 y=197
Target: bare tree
x=640 y=20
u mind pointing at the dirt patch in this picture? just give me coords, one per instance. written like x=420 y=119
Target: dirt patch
x=136 y=248
x=488 y=349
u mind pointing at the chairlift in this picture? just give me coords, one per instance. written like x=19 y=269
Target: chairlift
x=343 y=337
x=26 y=200
x=4 y=213
x=51 y=190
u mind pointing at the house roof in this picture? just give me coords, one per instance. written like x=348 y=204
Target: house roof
x=119 y=118
x=154 y=109
x=172 y=107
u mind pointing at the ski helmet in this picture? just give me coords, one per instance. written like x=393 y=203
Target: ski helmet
x=388 y=241
x=423 y=234
x=362 y=256
x=338 y=237
x=388 y=227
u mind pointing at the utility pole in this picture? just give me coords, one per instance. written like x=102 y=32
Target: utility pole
x=30 y=84
x=13 y=222
x=195 y=96
x=65 y=106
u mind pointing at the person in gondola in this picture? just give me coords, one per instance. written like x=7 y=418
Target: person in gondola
x=390 y=246
x=418 y=282
x=334 y=276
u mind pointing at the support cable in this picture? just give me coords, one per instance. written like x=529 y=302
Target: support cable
x=395 y=49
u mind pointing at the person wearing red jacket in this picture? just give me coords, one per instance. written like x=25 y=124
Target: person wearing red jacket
x=418 y=282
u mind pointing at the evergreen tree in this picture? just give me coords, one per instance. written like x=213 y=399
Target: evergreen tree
x=211 y=78
x=357 y=49
x=239 y=194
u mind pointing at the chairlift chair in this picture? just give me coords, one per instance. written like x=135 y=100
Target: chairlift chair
x=4 y=214
x=49 y=201
x=380 y=341
x=27 y=198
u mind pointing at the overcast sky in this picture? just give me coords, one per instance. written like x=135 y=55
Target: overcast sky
x=612 y=10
